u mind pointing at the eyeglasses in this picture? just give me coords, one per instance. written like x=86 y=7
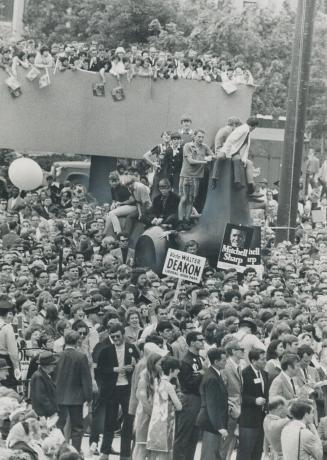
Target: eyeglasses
x=115 y=336
x=83 y=333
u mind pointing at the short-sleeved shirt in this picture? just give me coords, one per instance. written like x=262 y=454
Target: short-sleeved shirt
x=141 y=193
x=196 y=152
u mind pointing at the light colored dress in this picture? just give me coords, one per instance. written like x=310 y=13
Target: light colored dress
x=162 y=424
x=143 y=411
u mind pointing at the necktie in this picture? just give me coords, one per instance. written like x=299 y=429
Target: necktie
x=305 y=374
x=293 y=386
x=261 y=379
x=239 y=371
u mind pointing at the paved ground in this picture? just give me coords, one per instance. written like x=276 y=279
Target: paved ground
x=116 y=445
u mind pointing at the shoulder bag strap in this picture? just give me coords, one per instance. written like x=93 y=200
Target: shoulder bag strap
x=299 y=446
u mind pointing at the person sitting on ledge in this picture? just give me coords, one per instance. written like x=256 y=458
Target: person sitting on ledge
x=164 y=209
x=236 y=148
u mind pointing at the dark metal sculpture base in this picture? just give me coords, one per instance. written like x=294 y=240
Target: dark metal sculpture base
x=224 y=203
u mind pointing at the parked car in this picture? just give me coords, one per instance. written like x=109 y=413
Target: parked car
x=77 y=172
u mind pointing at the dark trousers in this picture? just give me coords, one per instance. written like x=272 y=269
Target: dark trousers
x=120 y=398
x=250 y=443
x=98 y=413
x=230 y=441
x=76 y=420
x=211 y=446
x=186 y=432
x=10 y=381
x=238 y=170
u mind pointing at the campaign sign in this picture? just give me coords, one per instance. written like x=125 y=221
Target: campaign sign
x=184 y=266
x=235 y=248
x=254 y=255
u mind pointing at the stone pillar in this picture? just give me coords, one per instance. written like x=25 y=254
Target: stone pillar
x=17 y=20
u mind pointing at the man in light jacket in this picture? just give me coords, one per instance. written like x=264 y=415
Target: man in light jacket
x=273 y=425
x=300 y=440
x=236 y=148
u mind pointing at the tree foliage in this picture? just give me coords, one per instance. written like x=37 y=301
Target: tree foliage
x=111 y=22
x=317 y=101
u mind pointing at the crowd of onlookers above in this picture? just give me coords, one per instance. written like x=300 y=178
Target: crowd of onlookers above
x=132 y=61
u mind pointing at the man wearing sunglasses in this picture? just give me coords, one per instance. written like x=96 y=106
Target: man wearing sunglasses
x=123 y=254
x=114 y=374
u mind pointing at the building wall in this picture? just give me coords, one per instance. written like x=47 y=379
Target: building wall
x=65 y=117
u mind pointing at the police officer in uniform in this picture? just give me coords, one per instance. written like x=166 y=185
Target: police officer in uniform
x=190 y=376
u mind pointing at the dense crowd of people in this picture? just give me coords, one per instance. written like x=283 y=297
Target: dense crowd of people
x=93 y=345
x=134 y=61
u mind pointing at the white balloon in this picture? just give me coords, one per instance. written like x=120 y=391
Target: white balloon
x=25 y=174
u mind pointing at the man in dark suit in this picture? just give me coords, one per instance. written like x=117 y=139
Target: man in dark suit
x=74 y=387
x=213 y=415
x=174 y=160
x=44 y=208
x=232 y=375
x=114 y=374
x=123 y=254
x=254 y=407
x=190 y=376
x=9 y=240
x=43 y=388
x=164 y=210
